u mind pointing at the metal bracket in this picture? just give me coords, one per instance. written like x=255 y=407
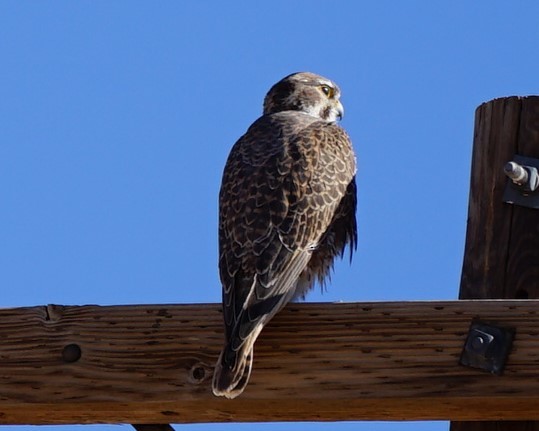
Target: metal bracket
x=523 y=189
x=487 y=347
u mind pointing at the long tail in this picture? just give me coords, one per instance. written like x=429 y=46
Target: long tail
x=233 y=367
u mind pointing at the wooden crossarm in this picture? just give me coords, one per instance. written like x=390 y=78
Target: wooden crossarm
x=314 y=361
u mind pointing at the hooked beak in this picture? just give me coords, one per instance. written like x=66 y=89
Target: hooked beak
x=339 y=109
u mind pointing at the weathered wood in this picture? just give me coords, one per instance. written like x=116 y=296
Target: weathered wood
x=489 y=219
x=345 y=361
x=522 y=279
x=501 y=258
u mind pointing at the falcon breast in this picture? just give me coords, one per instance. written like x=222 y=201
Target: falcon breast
x=286 y=209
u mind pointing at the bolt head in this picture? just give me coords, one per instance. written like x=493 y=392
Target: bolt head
x=479 y=342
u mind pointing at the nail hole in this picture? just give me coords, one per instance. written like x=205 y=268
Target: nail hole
x=199 y=373
x=71 y=353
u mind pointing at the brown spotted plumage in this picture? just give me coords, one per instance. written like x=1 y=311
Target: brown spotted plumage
x=286 y=210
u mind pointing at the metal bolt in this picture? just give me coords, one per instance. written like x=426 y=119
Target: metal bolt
x=487 y=347
x=517 y=173
x=526 y=177
x=480 y=341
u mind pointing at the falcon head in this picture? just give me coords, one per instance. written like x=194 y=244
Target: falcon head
x=305 y=92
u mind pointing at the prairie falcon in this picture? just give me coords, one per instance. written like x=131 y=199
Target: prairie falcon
x=286 y=209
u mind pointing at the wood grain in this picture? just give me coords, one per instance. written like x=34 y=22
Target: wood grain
x=345 y=361
x=489 y=219
x=501 y=257
x=523 y=256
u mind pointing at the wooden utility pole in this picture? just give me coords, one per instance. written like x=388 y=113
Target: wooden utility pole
x=501 y=258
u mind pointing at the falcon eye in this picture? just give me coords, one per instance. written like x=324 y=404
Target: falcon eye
x=327 y=90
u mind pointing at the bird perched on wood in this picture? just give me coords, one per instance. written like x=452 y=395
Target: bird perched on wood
x=286 y=209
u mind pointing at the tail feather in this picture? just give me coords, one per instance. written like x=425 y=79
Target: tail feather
x=233 y=367
x=230 y=381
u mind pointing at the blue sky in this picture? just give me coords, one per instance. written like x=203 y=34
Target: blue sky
x=116 y=119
